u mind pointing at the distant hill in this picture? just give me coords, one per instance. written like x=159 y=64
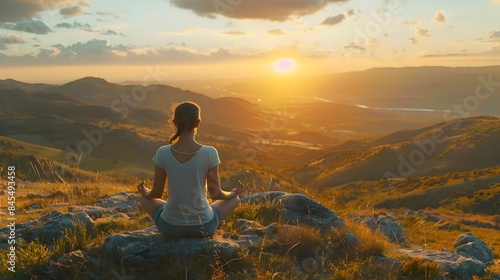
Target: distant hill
x=159 y=97
x=438 y=88
x=13 y=84
x=454 y=146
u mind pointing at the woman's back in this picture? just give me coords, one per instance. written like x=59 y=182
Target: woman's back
x=187 y=167
x=186 y=183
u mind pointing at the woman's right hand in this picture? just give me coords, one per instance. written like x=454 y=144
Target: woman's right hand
x=142 y=189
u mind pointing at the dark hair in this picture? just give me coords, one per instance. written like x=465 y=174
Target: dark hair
x=186 y=116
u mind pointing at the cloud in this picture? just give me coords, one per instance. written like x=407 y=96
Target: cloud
x=236 y=33
x=354 y=46
x=334 y=20
x=98 y=52
x=29 y=26
x=492 y=37
x=71 y=11
x=439 y=18
x=412 y=40
x=112 y=13
x=10 y=40
x=16 y=10
x=112 y=33
x=419 y=32
x=273 y=10
x=372 y=43
x=77 y=25
x=50 y=52
x=276 y=32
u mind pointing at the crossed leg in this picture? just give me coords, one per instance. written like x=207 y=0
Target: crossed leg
x=149 y=204
x=226 y=206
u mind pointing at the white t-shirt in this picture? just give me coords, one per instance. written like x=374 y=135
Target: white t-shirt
x=187 y=202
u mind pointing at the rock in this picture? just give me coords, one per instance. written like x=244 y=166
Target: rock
x=299 y=208
x=148 y=247
x=255 y=228
x=306 y=210
x=56 y=222
x=66 y=266
x=113 y=217
x=456 y=265
x=408 y=212
x=93 y=211
x=50 y=226
x=388 y=225
x=121 y=202
x=263 y=197
x=60 y=204
x=246 y=241
x=351 y=241
x=433 y=218
x=388 y=262
x=469 y=245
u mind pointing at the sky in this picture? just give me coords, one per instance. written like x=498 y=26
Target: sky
x=161 y=40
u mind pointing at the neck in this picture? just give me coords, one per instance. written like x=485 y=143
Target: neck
x=187 y=136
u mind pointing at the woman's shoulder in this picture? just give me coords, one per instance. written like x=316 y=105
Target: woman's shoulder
x=164 y=148
x=208 y=148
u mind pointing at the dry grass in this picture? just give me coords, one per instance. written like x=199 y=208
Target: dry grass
x=294 y=252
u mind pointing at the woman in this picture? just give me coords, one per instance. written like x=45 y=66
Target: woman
x=188 y=168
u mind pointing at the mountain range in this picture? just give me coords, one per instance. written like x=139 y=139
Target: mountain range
x=320 y=144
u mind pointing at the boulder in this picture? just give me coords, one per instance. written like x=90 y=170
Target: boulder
x=469 y=245
x=50 y=226
x=93 y=211
x=458 y=266
x=68 y=266
x=148 y=247
x=388 y=225
x=299 y=208
x=262 y=197
x=351 y=241
x=255 y=228
x=121 y=202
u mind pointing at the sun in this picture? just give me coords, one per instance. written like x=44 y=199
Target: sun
x=284 y=65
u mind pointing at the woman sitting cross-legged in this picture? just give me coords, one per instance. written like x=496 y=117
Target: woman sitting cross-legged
x=188 y=169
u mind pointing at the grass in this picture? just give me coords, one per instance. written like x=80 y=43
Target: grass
x=292 y=253
x=415 y=268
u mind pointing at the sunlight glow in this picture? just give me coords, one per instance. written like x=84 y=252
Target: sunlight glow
x=284 y=65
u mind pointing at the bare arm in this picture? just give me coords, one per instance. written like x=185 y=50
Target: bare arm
x=214 y=189
x=159 y=181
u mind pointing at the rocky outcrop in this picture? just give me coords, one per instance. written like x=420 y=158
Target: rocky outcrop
x=121 y=202
x=300 y=208
x=471 y=258
x=149 y=248
x=469 y=245
x=388 y=225
x=456 y=265
x=50 y=227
